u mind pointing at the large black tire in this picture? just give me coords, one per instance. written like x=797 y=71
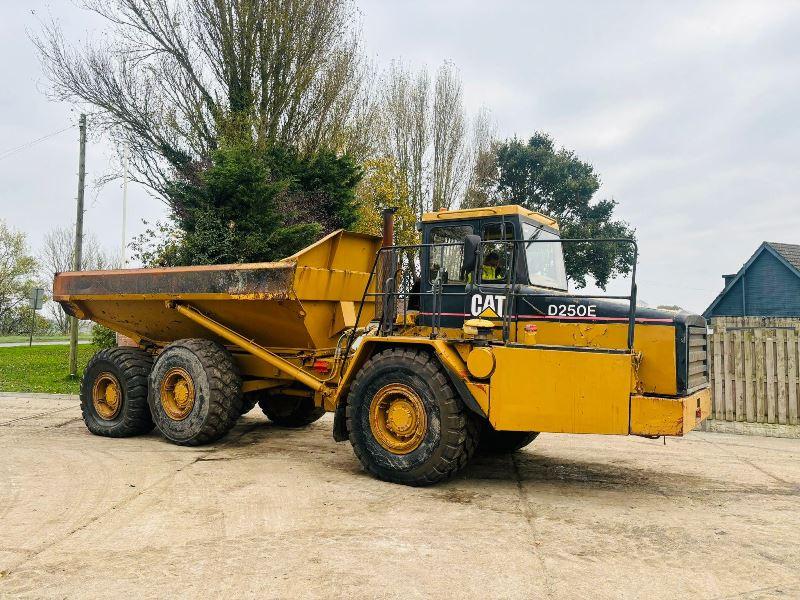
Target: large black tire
x=503 y=442
x=127 y=369
x=217 y=392
x=290 y=411
x=451 y=432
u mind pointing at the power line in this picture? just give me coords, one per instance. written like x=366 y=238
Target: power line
x=11 y=151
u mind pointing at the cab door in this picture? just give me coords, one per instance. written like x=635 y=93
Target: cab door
x=443 y=260
x=487 y=297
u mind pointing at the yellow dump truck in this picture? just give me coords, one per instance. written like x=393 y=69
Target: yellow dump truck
x=423 y=353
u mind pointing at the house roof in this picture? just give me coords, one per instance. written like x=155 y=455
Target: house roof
x=788 y=254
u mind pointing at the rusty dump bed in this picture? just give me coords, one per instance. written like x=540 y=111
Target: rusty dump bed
x=303 y=301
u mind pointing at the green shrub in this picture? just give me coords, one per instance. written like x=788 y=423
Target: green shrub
x=103 y=337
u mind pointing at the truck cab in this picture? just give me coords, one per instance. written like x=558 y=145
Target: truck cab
x=499 y=263
x=594 y=364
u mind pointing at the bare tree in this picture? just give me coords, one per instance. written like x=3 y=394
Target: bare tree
x=449 y=139
x=482 y=166
x=420 y=138
x=177 y=76
x=404 y=107
x=56 y=256
x=425 y=134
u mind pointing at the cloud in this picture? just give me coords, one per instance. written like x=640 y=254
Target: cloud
x=686 y=109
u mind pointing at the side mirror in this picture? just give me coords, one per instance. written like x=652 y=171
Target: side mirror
x=471 y=243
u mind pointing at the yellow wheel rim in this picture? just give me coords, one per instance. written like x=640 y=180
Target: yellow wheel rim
x=177 y=394
x=107 y=396
x=398 y=419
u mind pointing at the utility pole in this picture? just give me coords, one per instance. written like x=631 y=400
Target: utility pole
x=124 y=203
x=76 y=266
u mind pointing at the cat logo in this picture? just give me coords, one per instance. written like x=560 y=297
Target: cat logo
x=487 y=307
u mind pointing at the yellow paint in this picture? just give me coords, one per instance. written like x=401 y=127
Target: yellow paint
x=656 y=373
x=655 y=342
x=480 y=391
x=488 y=313
x=445 y=351
x=535 y=389
x=324 y=278
x=480 y=363
x=253 y=385
x=344 y=317
x=177 y=394
x=107 y=396
x=269 y=357
x=493 y=211
x=398 y=419
x=656 y=416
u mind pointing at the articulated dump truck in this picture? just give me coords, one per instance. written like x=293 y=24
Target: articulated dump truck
x=424 y=353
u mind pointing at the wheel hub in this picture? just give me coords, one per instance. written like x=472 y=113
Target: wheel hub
x=107 y=396
x=177 y=394
x=398 y=419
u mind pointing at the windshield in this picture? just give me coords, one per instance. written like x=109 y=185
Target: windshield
x=545 y=259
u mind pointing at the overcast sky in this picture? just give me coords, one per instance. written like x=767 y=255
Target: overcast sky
x=686 y=109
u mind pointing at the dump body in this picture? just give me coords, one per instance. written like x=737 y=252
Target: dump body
x=302 y=302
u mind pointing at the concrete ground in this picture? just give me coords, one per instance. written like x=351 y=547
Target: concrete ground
x=289 y=514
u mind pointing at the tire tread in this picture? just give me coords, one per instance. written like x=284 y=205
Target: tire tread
x=225 y=390
x=460 y=431
x=134 y=365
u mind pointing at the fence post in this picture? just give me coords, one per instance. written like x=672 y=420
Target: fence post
x=781 y=375
x=792 y=348
x=749 y=377
x=770 y=376
x=738 y=376
x=761 y=369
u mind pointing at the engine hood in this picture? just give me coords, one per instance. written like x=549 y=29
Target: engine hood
x=532 y=304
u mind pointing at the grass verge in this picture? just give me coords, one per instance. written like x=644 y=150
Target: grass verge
x=42 y=369
x=13 y=339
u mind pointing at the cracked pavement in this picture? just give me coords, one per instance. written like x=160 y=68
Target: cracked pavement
x=272 y=512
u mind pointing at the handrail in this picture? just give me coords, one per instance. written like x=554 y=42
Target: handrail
x=511 y=287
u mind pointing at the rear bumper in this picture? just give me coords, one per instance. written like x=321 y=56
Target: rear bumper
x=657 y=416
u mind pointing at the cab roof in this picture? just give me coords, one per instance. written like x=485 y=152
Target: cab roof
x=489 y=211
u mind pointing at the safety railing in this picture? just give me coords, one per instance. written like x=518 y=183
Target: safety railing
x=511 y=286
x=396 y=277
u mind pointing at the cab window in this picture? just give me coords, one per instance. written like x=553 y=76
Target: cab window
x=545 y=258
x=496 y=255
x=446 y=261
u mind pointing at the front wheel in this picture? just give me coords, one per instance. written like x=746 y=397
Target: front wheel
x=405 y=421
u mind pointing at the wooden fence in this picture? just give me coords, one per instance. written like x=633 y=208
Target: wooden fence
x=754 y=369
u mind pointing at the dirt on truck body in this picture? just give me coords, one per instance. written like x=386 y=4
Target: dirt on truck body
x=423 y=353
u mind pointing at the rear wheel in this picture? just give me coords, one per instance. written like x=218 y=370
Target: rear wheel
x=249 y=401
x=195 y=392
x=503 y=442
x=287 y=410
x=114 y=393
x=406 y=423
